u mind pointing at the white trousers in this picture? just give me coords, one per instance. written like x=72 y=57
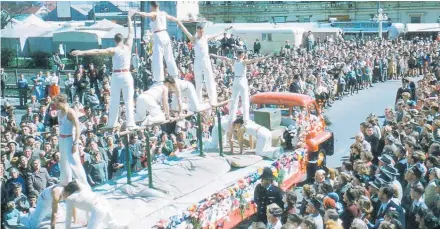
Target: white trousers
x=162 y=47
x=101 y=216
x=34 y=219
x=193 y=104
x=239 y=88
x=148 y=110
x=264 y=144
x=213 y=143
x=70 y=163
x=203 y=74
x=121 y=82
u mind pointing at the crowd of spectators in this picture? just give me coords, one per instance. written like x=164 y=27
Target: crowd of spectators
x=391 y=179
x=30 y=153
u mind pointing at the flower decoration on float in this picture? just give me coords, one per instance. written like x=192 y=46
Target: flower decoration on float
x=237 y=196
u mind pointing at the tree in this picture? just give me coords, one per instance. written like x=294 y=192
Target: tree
x=12 y=9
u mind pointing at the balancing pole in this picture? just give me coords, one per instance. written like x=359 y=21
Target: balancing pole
x=127 y=159
x=150 y=170
x=199 y=134
x=220 y=137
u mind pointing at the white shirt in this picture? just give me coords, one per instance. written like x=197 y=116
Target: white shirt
x=278 y=225
x=201 y=47
x=160 y=23
x=121 y=58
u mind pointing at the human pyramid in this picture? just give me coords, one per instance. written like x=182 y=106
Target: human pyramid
x=73 y=187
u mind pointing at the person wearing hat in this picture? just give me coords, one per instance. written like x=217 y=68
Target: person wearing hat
x=392 y=173
x=313 y=210
x=430 y=190
x=266 y=194
x=402 y=163
x=412 y=176
x=417 y=202
x=373 y=189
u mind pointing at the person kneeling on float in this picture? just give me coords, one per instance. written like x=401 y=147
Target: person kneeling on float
x=213 y=143
x=148 y=108
x=262 y=134
x=85 y=199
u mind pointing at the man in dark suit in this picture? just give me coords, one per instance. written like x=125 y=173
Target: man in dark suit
x=386 y=194
x=371 y=138
x=266 y=193
x=295 y=87
x=417 y=202
x=257 y=47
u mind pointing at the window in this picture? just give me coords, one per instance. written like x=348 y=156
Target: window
x=416 y=19
x=228 y=21
x=266 y=37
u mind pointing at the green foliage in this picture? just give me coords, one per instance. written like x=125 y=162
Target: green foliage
x=41 y=59
x=13 y=9
x=8 y=55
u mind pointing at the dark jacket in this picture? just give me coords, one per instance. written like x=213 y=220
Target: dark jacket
x=295 y=88
x=266 y=196
x=349 y=214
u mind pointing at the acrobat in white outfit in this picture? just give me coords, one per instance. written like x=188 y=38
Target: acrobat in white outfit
x=240 y=85
x=262 y=134
x=121 y=77
x=213 y=143
x=202 y=62
x=188 y=91
x=162 y=46
x=70 y=163
x=47 y=203
x=90 y=202
x=148 y=104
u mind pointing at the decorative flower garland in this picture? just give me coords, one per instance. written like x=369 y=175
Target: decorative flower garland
x=213 y=211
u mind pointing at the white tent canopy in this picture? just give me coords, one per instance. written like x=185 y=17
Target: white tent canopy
x=105 y=24
x=422 y=27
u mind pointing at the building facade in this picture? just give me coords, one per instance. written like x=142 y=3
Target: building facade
x=288 y=11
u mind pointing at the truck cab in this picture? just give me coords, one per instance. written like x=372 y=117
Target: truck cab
x=297 y=109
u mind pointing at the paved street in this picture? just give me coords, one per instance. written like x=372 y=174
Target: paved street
x=346 y=115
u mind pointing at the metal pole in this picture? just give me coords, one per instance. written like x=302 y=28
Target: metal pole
x=16 y=58
x=135 y=37
x=199 y=134
x=379 y=15
x=127 y=159
x=150 y=170
x=220 y=135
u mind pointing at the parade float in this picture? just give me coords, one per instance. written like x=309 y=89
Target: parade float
x=234 y=203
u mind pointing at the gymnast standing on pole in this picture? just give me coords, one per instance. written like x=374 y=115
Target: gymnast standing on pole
x=240 y=85
x=202 y=62
x=121 y=77
x=162 y=46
